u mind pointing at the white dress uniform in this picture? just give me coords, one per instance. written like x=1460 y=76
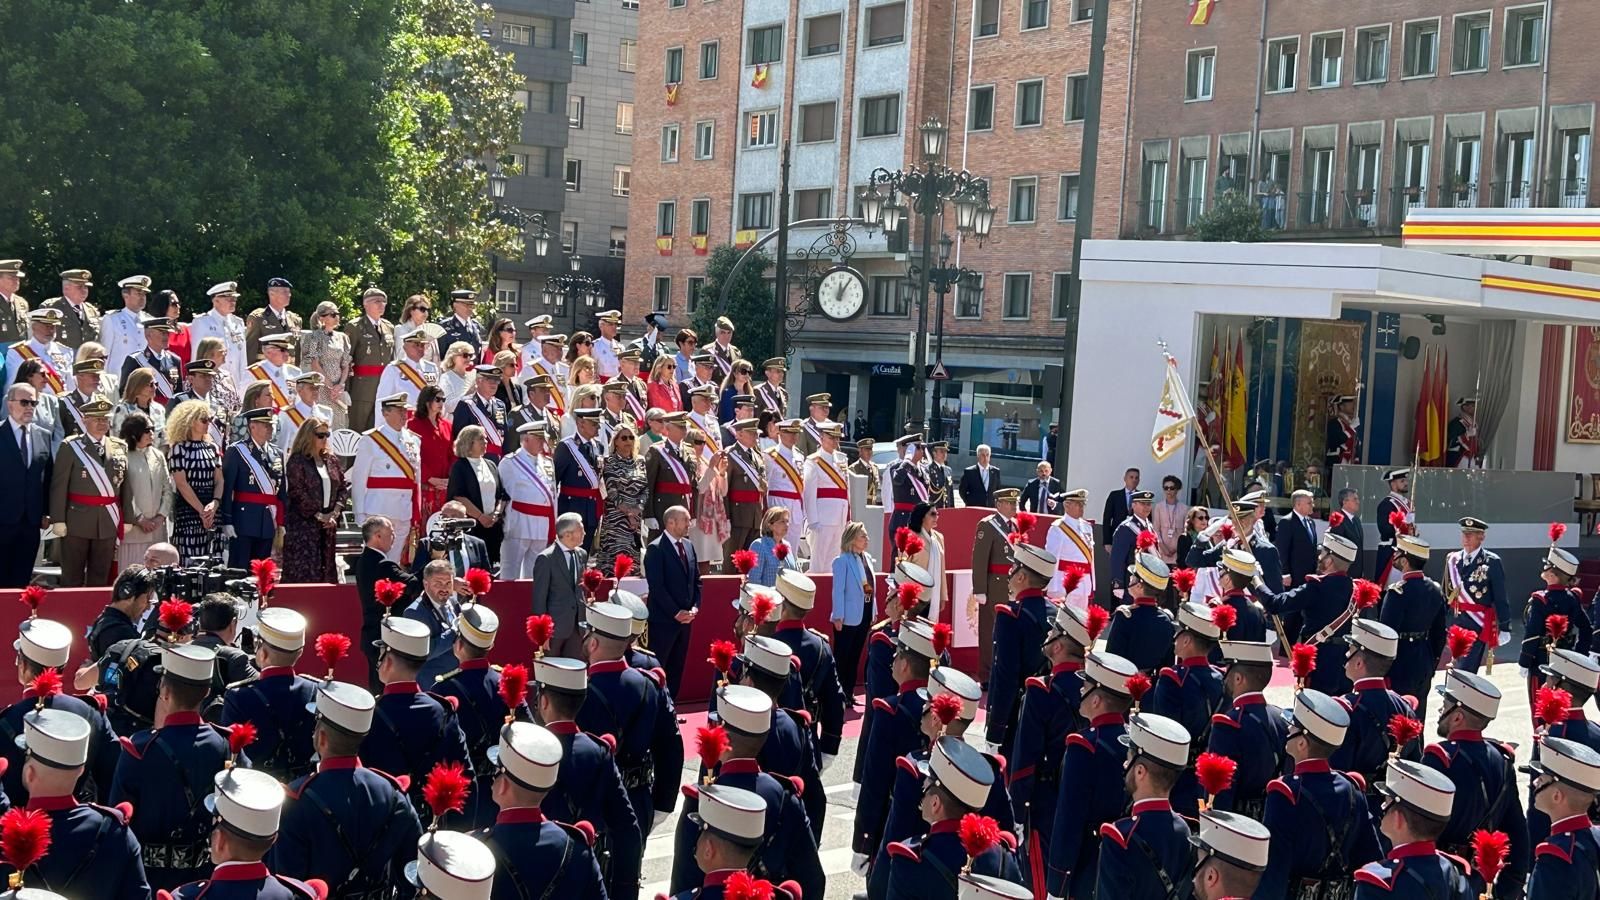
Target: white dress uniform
x=378 y=481
x=292 y=417
x=55 y=353
x=1072 y=541
x=404 y=377
x=122 y=334
x=231 y=330
x=558 y=374
x=605 y=357
x=282 y=380
x=785 y=482
x=531 y=514
x=826 y=494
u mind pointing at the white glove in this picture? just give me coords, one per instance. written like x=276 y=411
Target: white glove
x=1210 y=531
x=827 y=760
x=652 y=524
x=659 y=819
x=858 y=864
x=1505 y=638
x=59 y=529
x=1521 y=671
x=991 y=748
x=855 y=792
x=229 y=532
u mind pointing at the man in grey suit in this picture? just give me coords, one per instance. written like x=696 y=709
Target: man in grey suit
x=558 y=586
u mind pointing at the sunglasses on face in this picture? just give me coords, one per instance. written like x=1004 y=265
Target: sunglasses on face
x=625 y=437
x=28 y=402
x=322 y=435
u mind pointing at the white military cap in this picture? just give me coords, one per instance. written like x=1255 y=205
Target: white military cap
x=1574 y=763
x=1320 y=716
x=768 y=654
x=281 y=339
x=56 y=736
x=539 y=322
x=478 y=625
x=987 y=887
x=453 y=866
x=1374 y=637
x=188 y=663
x=909 y=571
x=1578 y=668
x=1477 y=693
x=1149 y=569
x=744 y=709
x=1561 y=561
x=797 y=589
x=248 y=800
x=1196 y=617
x=962 y=770
x=1239 y=840
x=1158 y=737
x=1339 y=546
x=635 y=606
x=1259 y=652
x=1425 y=790
x=1037 y=560
x=916 y=635
x=746 y=599
x=1240 y=562
x=142 y=282
x=223 y=288
x=1074 y=623
x=44 y=642
x=1254 y=498
x=529 y=753
x=282 y=628
x=732 y=813
x=562 y=674
x=946 y=680
x=610 y=620
x=1109 y=671
x=344 y=705
x=1412 y=545
x=407 y=637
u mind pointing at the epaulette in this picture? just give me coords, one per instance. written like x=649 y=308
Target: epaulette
x=369 y=431
x=692 y=791
x=403 y=782
x=904 y=851
x=1376 y=874
x=1000 y=761
x=450 y=674
x=122 y=812
x=1509 y=748
x=882 y=705
x=129 y=747
x=453 y=702
x=1551 y=848
x=1460 y=861
x=1223 y=719
x=1006 y=608
x=1540 y=595
x=1170 y=672
x=1313 y=577
x=608 y=741
x=882 y=637
x=1439 y=751
x=909 y=766
x=1411 y=701
x=1078 y=740
x=658 y=676
x=794 y=782
x=1112 y=832
x=1344 y=702
x=1278 y=785
x=881 y=624
x=1037 y=681
x=825 y=639
x=581 y=830
x=1357 y=779
x=801 y=715
x=95 y=699
x=1125 y=610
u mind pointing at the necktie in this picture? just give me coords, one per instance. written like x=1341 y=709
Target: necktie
x=683 y=557
x=1310 y=528
x=572 y=563
x=22 y=441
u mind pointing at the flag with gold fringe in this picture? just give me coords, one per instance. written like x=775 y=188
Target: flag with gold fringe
x=1173 y=415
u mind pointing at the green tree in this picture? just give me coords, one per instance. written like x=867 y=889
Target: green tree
x=749 y=302
x=1231 y=218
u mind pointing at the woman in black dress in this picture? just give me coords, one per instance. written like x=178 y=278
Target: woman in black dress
x=196 y=467
x=475 y=483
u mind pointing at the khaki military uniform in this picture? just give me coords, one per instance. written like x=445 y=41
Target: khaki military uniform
x=747 y=500
x=86 y=497
x=265 y=321
x=13 y=319
x=371 y=348
x=76 y=326
x=874 y=479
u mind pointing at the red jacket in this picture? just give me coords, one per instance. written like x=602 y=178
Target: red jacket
x=438 y=449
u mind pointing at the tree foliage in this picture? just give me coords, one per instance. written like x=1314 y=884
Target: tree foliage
x=749 y=302
x=203 y=142
x=1231 y=218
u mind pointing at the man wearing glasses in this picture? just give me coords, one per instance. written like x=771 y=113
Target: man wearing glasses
x=25 y=470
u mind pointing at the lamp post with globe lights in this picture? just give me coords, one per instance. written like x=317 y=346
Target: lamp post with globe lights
x=562 y=286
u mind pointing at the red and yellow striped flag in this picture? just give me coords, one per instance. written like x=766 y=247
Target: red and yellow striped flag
x=1200 y=11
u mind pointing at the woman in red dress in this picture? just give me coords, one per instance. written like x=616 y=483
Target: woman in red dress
x=438 y=450
x=179 y=345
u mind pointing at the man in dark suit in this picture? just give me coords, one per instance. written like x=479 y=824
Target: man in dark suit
x=1297 y=542
x=1349 y=524
x=672 y=572
x=1036 y=496
x=558 y=585
x=980 y=481
x=25 y=470
x=1119 y=503
x=438 y=608
x=373 y=566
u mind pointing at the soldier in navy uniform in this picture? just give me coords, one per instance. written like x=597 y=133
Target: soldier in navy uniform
x=482 y=406
x=787 y=850
x=450 y=865
x=462 y=324
x=589 y=788
x=1049 y=714
x=1367 y=744
x=1559 y=598
x=346 y=824
x=959 y=782
x=1397 y=500
x=637 y=656
x=1019 y=634
x=732 y=823
x=156 y=357
x=1190 y=692
x=1092 y=791
x=896 y=731
x=575 y=459
x=248 y=806
x=535 y=855
x=1415 y=608
x=45 y=644
x=882 y=644
x=1475 y=583
x=1125 y=539
x=939 y=479
x=163 y=772
x=252 y=512
x=1415 y=813
x=1141 y=630
x=1146 y=855
x=1564 y=784
x=1343 y=445
x=1251 y=730
x=790 y=750
x=908 y=479
x=635 y=709
x=536 y=406
x=275 y=700
x=1237 y=570
x=474 y=685
x=1208 y=552
x=1318 y=815
x=1326 y=601
x=819 y=679
x=1483 y=773
x=1579 y=675
x=414 y=729
x=93 y=853
x=1231 y=855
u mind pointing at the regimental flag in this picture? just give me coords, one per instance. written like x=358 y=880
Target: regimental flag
x=1173 y=415
x=1200 y=11
x=758 y=78
x=1238 y=402
x=1424 y=402
x=664 y=246
x=672 y=94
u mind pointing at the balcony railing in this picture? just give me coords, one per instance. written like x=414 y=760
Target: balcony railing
x=1513 y=194
x=1461 y=195
x=1358 y=208
x=1403 y=199
x=1314 y=210
x=1571 y=193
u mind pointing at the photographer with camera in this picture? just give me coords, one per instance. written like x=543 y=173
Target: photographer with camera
x=438 y=608
x=372 y=566
x=131 y=596
x=128 y=673
x=449 y=539
x=220 y=628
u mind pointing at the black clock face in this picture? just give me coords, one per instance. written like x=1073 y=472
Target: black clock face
x=841 y=294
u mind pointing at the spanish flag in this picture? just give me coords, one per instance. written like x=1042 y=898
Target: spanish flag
x=758 y=78
x=672 y=94
x=664 y=246
x=1200 y=11
x=1238 y=402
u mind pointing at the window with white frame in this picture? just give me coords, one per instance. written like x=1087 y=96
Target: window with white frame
x=580 y=48
x=513 y=33
x=761 y=129
x=705 y=139
x=880 y=116
x=1019 y=295
x=666 y=218
x=669 y=143
x=700 y=217
x=822 y=34
x=619 y=242
x=1077 y=105
x=569 y=237
x=624 y=117
x=1422 y=49
x=621 y=176
x=1327 y=59
x=886 y=24
x=1082 y=10
x=1030 y=103
x=817 y=121
x=987 y=22
x=710 y=58
x=697 y=289
x=508 y=295
x=1525 y=35
x=1470 y=49
x=969 y=298
x=672 y=70
x=755 y=211
x=1372 y=54
x=627 y=55
x=574 y=174
x=1283 y=58
x=662 y=300
x=980 y=108
x=1202 y=72
x=574 y=111
x=811 y=203
x=765 y=43
x=1035 y=14
x=1023 y=207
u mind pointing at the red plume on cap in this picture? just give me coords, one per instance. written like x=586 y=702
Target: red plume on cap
x=744 y=561
x=1026 y=521
x=943 y=636
x=592 y=579
x=446 y=789
x=900 y=535
x=1552 y=706
x=1489 y=851
x=332 y=647
x=1558 y=530
x=265 y=572
x=175 y=615
x=513 y=687
x=1137 y=684
x=1225 y=531
x=1016 y=537
x=781 y=550
x=539 y=629
x=32 y=596
x=914 y=544
x=907 y=595
x=1366 y=593
x=762 y=606
x=1556 y=627
x=1183 y=581
x=1303 y=660
x=24 y=838
x=478 y=581
x=1404 y=729
x=621 y=566
x=1095 y=620
x=946 y=708
x=1335 y=519
x=1214 y=772
x=1460 y=641
x=721 y=657
x=979 y=835
x=744 y=886
x=240 y=736
x=710 y=743
x=388 y=592
x=45 y=685
x=1397 y=519
x=1070 y=581
x=1224 y=617
x=1146 y=540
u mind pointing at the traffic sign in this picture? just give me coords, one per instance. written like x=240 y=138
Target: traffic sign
x=939 y=373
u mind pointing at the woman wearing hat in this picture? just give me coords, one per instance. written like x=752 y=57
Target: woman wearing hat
x=326 y=350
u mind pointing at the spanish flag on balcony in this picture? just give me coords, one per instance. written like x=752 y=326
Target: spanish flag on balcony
x=745 y=237
x=1200 y=11
x=699 y=242
x=664 y=246
x=758 y=78
x=672 y=94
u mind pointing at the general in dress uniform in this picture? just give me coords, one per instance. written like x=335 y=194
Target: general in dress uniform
x=1559 y=598
x=80 y=319
x=771 y=395
x=251 y=511
x=1579 y=675
x=275 y=369
x=1251 y=730
x=220 y=322
x=1398 y=500
x=45 y=644
x=43 y=327
x=13 y=306
x=895 y=731
x=291 y=417
x=819 y=677
x=1071 y=540
x=607 y=345
x=865 y=467
x=1326 y=603
x=577 y=466
x=275 y=701
x=1372 y=704
x=909 y=481
x=84 y=508
x=1189 y=692
x=462 y=325
x=1093 y=791
x=274 y=318
x=387 y=475
x=1125 y=539
x=1231 y=854
x=1019 y=635
x=991 y=569
x=1475 y=585
x=785 y=469
x=248 y=806
x=1414 y=606
x=825 y=496
x=1147 y=854
x=1141 y=630
x=818 y=406
x=371 y=348
x=414 y=730
x=1049 y=714
x=747 y=490
x=1418 y=805
x=165 y=367
x=536 y=856
x=1565 y=782
x=122 y=330
x=86 y=381
x=548 y=362
x=412 y=373
x=345 y=823
x=527 y=477
x=484 y=410
x=474 y=686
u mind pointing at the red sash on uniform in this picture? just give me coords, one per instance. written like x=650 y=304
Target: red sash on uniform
x=264 y=500
x=97 y=500
x=745 y=496
x=367 y=371
x=535 y=509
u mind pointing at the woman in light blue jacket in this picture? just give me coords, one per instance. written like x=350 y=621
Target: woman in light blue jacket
x=774 y=532
x=854 y=589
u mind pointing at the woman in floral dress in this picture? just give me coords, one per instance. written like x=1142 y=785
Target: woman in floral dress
x=326 y=349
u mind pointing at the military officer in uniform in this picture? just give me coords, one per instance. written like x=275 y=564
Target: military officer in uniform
x=43 y=325
x=484 y=410
x=1049 y=714
x=1415 y=608
x=1398 y=500
x=1367 y=744
x=1579 y=675
x=1461 y=437
x=527 y=477
x=864 y=466
x=474 y=687
x=939 y=482
x=549 y=363
x=1232 y=852
x=248 y=806
x=86 y=380
x=413 y=373
x=638 y=396
x=346 y=824
x=1209 y=551
x=747 y=490
x=122 y=331
x=1190 y=692
x=1251 y=730
x=1147 y=854
x=818 y=406
x=155 y=356
x=305 y=406
x=1141 y=630
x=252 y=491
x=744 y=407
x=784 y=469
x=1125 y=540
x=1344 y=436
x=669 y=473
x=385 y=478
x=415 y=729
x=883 y=645
x=220 y=322
x=790 y=749
x=184 y=752
x=577 y=467
x=894 y=732
x=1019 y=636
x=372 y=348
x=649 y=343
x=1415 y=813
x=13 y=306
x=607 y=345
x=1071 y=539
x=819 y=677
x=84 y=507
x=45 y=644
x=1318 y=815
x=1559 y=598
x=452 y=866
x=462 y=324
x=275 y=369
x=991 y=569
x=1327 y=602
x=771 y=395
x=80 y=320
x=1564 y=784
x=202 y=376
x=1239 y=570
x=1093 y=791
x=825 y=497
x=275 y=700
x=1475 y=585
x=537 y=407
x=538 y=327
x=274 y=318
x=909 y=481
